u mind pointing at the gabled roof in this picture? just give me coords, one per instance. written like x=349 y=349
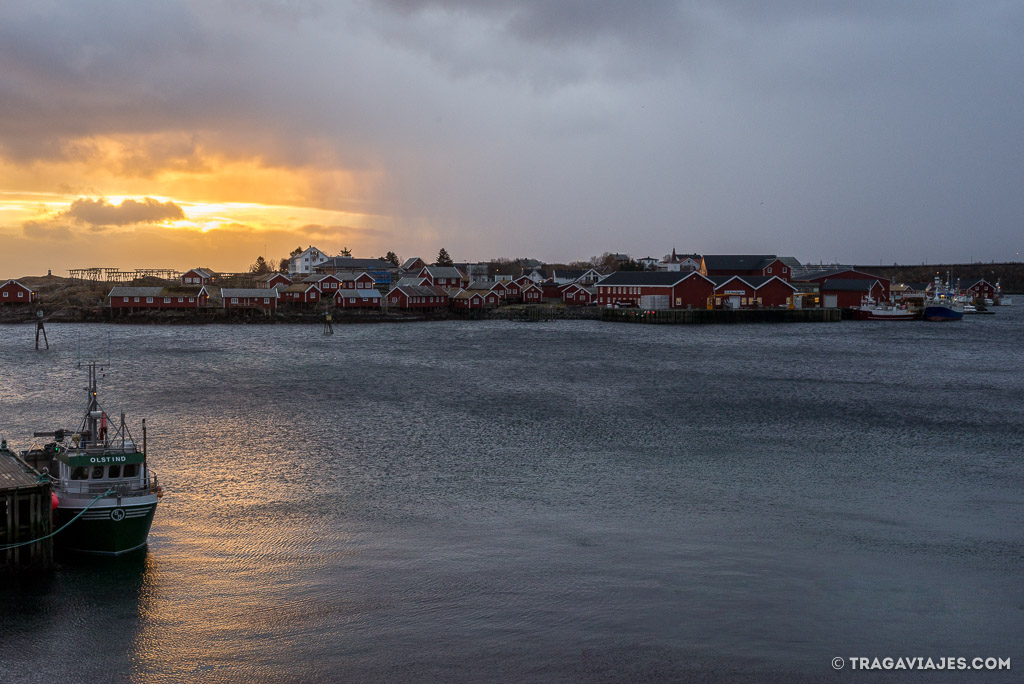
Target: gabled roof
x=408 y=280
x=135 y=292
x=296 y=287
x=408 y=264
x=649 y=278
x=201 y=272
x=184 y=291
x=419 y=291
x=848 y=285
x=352 y=275
x=364 y=294
x=267 y=277
x=467 y=294
x=483 y=285
x=819 y=275
x=259 y=292
x=738 y=262
x=444 y=272
x=19 y=284
x=977 y=282
x=352 y=263
x=318 y=277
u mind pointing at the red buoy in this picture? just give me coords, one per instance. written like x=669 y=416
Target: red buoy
x=54 y=501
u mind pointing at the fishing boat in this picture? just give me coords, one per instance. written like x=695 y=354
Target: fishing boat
x=870 y=310
x=943 y=306
x=106 y=493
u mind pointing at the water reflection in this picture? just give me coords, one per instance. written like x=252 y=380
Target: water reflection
x=78 y=622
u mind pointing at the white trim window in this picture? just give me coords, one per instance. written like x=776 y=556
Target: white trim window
x=149 y=300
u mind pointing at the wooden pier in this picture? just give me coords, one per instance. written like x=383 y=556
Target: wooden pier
x=711 y=316
x=25 y=514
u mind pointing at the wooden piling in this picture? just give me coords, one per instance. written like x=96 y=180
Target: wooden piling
x=25 y=514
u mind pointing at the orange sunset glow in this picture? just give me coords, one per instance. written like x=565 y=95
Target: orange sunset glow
x=167 y=202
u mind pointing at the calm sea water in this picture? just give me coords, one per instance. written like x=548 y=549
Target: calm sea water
x=565 y=501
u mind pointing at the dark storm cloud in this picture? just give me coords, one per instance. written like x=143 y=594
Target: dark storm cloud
x=561 y=127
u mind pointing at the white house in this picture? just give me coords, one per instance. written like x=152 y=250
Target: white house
x=306 y=260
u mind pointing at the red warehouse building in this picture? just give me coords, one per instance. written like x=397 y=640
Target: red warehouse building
x=249 y=298
x=747 y=265
x=13 y=292
x=752 y=292
x=680 y=290
x=417 y=297
x=157 y=298
x=352 y=298
x=849 y=292
x=848 y=274
x=532 y=293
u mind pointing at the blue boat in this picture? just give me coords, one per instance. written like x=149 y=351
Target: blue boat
x=943 y=306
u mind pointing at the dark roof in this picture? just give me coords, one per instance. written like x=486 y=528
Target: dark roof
x=419 y=291
x=656 y=278
x=444 y=272
x=848 y=285
x=819 y=275
x=354 y=263
x=738 y=262
x=919 y=287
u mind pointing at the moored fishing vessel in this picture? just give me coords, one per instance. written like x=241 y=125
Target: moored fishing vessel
x=870 y=310
x=943 y=305
x=106 y=494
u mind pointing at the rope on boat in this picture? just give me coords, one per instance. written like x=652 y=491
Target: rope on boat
x=63 y=527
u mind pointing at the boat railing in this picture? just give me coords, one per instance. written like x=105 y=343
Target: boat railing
x=119 y=488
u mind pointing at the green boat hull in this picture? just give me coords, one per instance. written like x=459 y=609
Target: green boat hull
x=108 y=530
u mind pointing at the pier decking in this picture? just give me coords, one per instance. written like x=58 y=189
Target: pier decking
x=24 y=514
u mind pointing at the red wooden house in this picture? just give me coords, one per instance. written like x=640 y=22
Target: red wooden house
x=249 y=298
x=445 y=277
x=689 y=290
x=513 y=290
x=467 y=300
x=532 y=293
x=327 y=283
x=579 y=295
x=197 y=276
x=300 y=293
x=272 y=279
x=363 y=281
x=13 y=292
x=417 y=298
x=980 y=289
x=361 y=298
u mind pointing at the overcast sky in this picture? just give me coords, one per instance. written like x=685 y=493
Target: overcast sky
x=171 y=134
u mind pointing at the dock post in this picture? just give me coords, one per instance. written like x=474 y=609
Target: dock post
x=40 y=329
